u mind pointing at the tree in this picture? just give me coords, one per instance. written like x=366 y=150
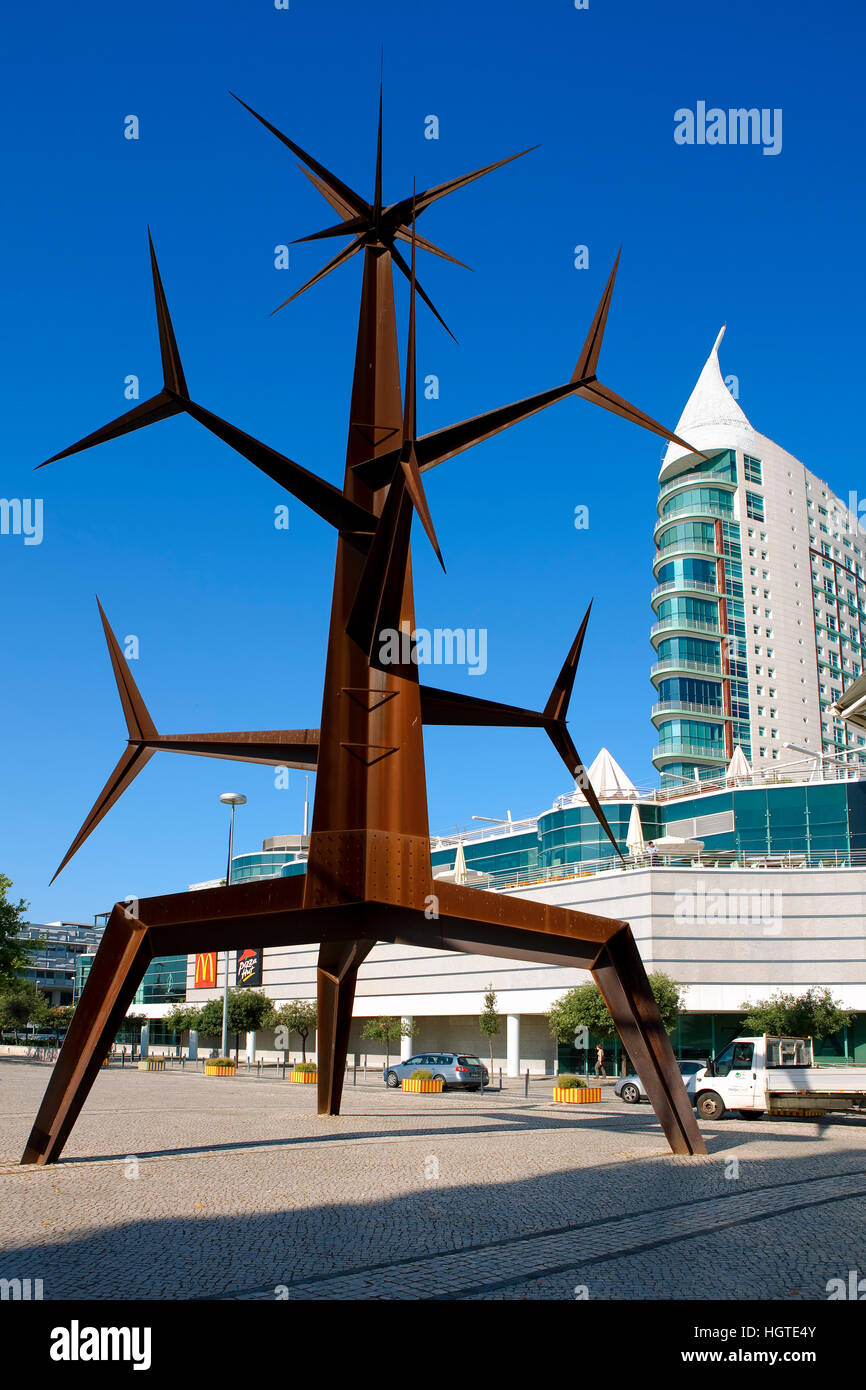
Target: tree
x=489 y=1021
x=21 y=1004
x=248 y=1012
x=814 y=1014
x=584 y=1007
x=387 y=1031
x=184 y=1017
x=14 y=953
x=60 y=1016
x=298 y=1016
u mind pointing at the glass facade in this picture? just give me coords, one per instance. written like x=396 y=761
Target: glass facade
x=500 y=854
x=702 y=595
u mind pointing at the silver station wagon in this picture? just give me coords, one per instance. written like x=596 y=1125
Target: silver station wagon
x=455 y=1069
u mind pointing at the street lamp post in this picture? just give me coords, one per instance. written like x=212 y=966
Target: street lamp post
x=232 y=799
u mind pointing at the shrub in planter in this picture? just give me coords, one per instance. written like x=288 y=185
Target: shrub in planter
x=574 y=1090
x=422 y=1081
x=304 y=1073
x=220 y=1066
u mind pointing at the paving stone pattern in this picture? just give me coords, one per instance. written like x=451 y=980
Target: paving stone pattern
x=178 y=1186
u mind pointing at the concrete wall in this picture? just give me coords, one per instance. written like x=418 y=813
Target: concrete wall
x=791 y=929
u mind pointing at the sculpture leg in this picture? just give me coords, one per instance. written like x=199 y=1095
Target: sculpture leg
x=115 y=975
x=620 y=975
x=337 y=973
x=470 y=919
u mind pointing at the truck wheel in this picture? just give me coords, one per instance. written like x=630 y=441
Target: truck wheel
x=751 y=1114
x=710 y=1106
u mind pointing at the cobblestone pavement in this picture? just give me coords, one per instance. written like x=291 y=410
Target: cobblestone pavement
x=180 y=1187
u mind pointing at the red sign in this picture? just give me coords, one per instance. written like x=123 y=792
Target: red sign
x=205 y=970
x=249 y=969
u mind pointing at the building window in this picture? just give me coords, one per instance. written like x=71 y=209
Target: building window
x=752 y=469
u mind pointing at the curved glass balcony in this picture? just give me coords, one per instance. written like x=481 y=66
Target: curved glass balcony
x=668 y=625
x=681 y=748
x=683 y=586
x=697 y=509
x=686 y=480
x=684 y=547
x=667 y=707
x=675 y=664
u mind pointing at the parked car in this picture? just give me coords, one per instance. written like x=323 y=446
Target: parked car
x=630 y=1088
x=455 y=1069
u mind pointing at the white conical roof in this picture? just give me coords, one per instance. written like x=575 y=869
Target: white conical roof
x=607 y=779
x=712 y=418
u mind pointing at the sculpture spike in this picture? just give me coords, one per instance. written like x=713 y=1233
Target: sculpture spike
x=588 y=359
x=557 y=704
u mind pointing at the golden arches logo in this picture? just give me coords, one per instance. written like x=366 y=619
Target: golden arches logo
x=205 y=970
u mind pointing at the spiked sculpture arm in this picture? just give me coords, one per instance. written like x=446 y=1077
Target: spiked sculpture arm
x=444 y=444
x=448 y=707
x=435 y=448
x=320 y=496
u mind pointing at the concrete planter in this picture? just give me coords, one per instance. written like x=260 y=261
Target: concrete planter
x=220 y=1069
x=584 y=1095
x=149 y=1064
x=426 y=1088
x=304 y=1078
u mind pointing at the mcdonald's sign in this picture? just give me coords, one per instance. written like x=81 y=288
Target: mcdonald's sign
x=205 y=970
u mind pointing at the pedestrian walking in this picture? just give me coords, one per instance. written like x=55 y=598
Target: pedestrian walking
x=599 y=1062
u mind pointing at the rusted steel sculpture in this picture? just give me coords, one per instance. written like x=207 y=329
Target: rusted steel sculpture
x=369 y=876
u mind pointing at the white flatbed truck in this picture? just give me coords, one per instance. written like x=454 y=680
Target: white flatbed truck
x=776 y=1076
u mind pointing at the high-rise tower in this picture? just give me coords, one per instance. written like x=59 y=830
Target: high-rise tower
x=760 y=596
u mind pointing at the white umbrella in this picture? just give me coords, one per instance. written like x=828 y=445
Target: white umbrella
x=460 y=874
x=635 y=843
x=738 y=767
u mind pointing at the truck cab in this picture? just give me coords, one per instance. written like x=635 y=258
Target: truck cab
x=777 y=1076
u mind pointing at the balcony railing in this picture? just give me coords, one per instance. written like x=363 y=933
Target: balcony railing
x=678 y=748
x=685 y=625
x=696 y=480
x=685 y=548
x=701 y=668
x=684 y=586
x=688 y=514
x=689 y=707
x=517 y=879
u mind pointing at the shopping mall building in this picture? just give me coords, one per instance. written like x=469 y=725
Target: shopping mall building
x=744 y=873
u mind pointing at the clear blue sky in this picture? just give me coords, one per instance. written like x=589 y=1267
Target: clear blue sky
x=176 y=534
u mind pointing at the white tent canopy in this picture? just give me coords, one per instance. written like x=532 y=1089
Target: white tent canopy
x=675 y=845
x=607 y=779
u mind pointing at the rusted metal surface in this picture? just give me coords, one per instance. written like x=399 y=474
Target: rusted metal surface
x=369 y=874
